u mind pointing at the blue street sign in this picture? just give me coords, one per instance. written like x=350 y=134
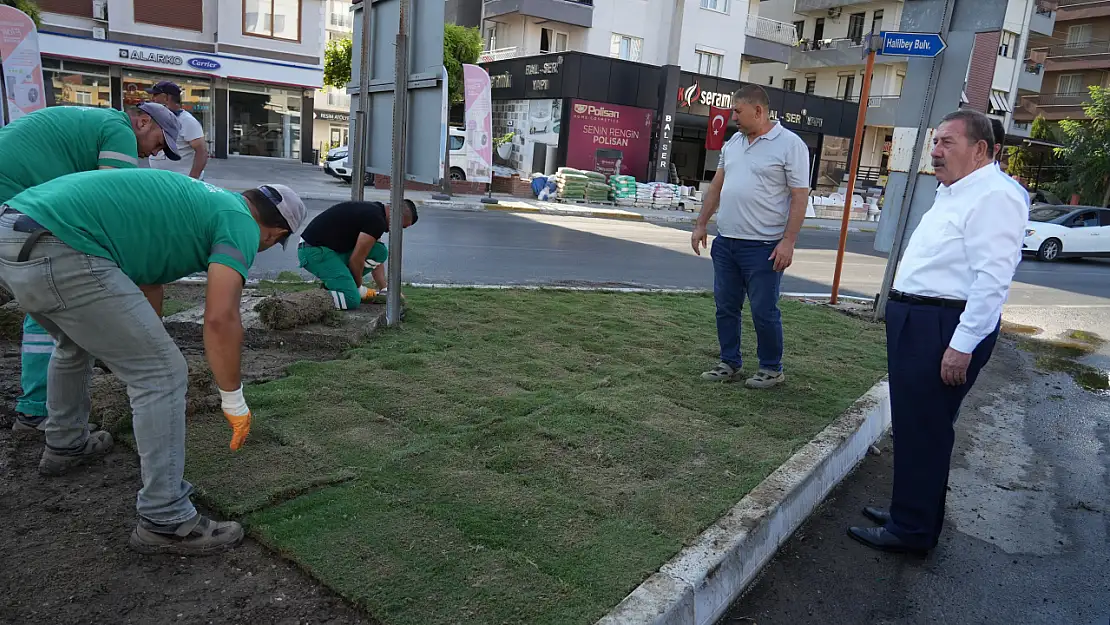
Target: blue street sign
x=912 y=44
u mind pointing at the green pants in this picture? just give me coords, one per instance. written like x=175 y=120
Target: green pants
x=333 y=269
x=35 y=361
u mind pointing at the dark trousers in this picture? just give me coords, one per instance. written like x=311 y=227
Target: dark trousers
x=742 y=268
x=924 y=411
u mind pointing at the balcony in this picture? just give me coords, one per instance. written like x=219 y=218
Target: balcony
x=1073 y=10
x=769 y=41
x=1043 y=19
x=1078 y=56
x=499 y=54
x=1031 y=77
x=803 y=6
x=1020 y=129
x=1053 y=106
x=826 y=53
x=881 y=110
x=575 y=12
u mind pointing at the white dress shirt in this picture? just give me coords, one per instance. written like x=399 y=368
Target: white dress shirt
x=967 y=247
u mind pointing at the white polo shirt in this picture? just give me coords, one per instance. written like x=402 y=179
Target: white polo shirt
x=191 y=130
x=967 y=247
x=755 y=198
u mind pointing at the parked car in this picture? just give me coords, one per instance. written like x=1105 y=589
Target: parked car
x=1056 y=232
x=338 y=163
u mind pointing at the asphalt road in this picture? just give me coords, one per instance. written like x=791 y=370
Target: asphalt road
x=499 y=248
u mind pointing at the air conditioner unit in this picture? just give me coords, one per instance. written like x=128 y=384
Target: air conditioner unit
x=99 y=32
x=100 y=10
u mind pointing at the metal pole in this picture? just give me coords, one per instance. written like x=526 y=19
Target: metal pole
x=359 y=144
x=911 y=178
x=397 y=173
x=857 y=153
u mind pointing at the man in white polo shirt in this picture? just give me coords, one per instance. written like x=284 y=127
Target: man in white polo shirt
x=942 y=321
x=761 y=188
x=191 y=145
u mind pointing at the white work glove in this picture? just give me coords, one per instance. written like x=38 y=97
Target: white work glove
x=365 y=293
x=238 y=415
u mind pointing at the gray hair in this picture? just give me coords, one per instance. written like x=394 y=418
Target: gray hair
x=754 y=95
x=977 y=127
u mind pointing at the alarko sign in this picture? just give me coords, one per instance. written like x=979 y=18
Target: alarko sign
x=694 y=94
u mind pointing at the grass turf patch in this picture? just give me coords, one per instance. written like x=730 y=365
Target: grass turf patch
x=530 y=457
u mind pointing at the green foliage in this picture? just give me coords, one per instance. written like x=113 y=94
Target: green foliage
x=337 y=63
x=27 y=6
x=1024 y=159
x=461 y=45
x=1087 y=149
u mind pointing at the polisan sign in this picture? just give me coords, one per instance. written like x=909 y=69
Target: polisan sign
x=694 y=94
x=596 y=111
x=609 y=138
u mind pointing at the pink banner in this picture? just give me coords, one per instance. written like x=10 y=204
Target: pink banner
x=479 y=124
x=19 y=55
x=609 y=138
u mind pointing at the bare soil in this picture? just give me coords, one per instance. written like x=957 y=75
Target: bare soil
x=64 y=556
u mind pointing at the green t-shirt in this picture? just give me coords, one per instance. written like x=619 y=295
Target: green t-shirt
x=61 y=140
x=158 y=226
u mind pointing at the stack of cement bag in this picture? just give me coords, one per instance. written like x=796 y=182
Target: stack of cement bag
x=570 y=184
x=645 y=194
x=665 y=196
x=597 y=192
x=624 y=190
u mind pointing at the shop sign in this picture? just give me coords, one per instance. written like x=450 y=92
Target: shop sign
x=501 y=81
x=695 y=95
x=539 y=70
x=204 y=64
x=609 y=138
x=160 y=58
x=333 y=117
x=801 y=119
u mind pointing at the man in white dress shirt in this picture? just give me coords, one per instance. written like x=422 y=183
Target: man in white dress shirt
x=942 y=321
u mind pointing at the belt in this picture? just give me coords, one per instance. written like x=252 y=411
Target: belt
x=25 y=224
x=925 y=300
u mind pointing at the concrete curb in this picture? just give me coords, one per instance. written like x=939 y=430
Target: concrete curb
x=697 y=586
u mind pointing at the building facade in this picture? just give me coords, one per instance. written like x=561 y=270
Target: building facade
x=1065 y=61
x=331 y=126
x=248 y=69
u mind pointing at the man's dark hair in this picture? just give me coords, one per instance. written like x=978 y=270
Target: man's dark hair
x=410 y=206
x=754 y=95
x=268 y=214
x=977 y=127
x=999 y=137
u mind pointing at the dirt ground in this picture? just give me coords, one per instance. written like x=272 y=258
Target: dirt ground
x=64 y=550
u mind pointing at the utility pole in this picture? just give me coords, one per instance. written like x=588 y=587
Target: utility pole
x=359 y=144
x=857 y=148
x=397 y=173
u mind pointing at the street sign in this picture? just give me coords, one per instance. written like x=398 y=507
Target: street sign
x=926 y=45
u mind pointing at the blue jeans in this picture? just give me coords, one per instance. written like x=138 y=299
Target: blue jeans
x=741 y=268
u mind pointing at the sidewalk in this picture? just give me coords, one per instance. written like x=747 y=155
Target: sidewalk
x=310 y=181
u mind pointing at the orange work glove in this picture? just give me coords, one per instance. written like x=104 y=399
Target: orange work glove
x=237 y=414
x=366 y=293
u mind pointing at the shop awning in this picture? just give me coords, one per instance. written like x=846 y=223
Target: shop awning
x=999 y=102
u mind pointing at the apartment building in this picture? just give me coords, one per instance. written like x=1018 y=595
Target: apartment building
x=829 y=61
x=332 y=106
x=1065 y=61
x=248 y=69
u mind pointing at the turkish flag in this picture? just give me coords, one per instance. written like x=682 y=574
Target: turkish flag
x=718 y=123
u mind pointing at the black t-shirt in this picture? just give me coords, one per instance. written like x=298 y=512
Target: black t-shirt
x=338 y=227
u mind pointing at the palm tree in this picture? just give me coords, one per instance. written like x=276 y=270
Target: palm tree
x=27 y=6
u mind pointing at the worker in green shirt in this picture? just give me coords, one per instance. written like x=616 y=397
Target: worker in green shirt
x=54 y=142
x=74 y=250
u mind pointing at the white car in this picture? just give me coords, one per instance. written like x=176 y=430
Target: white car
x=1064 y=231
x=338 y=162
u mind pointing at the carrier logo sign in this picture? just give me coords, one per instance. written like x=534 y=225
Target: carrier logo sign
x=206 y=64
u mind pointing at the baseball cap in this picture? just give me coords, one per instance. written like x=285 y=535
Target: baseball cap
x=167 y=87
x=167 y=121
x=289 y=204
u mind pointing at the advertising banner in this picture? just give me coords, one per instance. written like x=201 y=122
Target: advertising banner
x=479 y=124
x=19 y=56
x=609 y=138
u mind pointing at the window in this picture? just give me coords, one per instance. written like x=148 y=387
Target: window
x=819 y=29
x=1070 y=84
x=625 y=47
x=1007 y=46
x=999 y=103
x=811 y=85
x=709 y=63
x=552 y=41
x=1079 y=36
x=770 y=81
x=264 y=121
x=1104 y=218
x=275 y=19
x=196 y=94
x=1086 y=219
x=790 y=84
x=845 y=87
x=77 y=83
x=800 y=28
x=855 y=27
x=877 y=21
x=899 y=82
x=455 y=142
x=715 y=5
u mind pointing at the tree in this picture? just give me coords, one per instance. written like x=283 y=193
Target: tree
x=1087 y=149
x=1023 y=160
x=27 y=6
x=461 y=45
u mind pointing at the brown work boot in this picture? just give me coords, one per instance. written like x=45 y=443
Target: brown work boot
x=199 y=536
x=25 y=429
x=55 y=463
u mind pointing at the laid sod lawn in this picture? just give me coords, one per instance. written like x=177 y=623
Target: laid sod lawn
x=521 y=456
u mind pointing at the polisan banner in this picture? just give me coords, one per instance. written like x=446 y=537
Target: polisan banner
x=19 y=56
x=479 y=124
x=609 y=138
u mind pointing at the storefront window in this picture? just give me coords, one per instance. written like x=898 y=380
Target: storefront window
x=264 y=121
x=78 y=84
x=196 y=95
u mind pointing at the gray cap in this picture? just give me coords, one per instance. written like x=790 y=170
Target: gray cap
x=167 y=121
x=290 y=206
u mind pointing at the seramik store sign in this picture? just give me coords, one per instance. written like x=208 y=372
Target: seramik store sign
x=694 y=97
